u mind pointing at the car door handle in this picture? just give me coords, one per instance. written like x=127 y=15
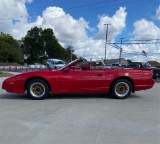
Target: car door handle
x=99 y=74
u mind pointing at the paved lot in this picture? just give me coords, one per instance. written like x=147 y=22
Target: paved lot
x=92 y=119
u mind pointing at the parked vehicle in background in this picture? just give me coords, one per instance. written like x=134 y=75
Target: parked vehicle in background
x=116 y=65
x=93 y=65
x=55 y=64
x=89 y=65
x=113 y=65
x=155 y=70
x=135 y=65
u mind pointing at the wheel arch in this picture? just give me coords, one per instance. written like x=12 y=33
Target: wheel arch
x=40 y=78
x=123 y=77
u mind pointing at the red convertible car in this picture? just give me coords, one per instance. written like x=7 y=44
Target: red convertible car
x=71 y=79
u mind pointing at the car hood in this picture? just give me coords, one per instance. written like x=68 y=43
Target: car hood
x=43 y=73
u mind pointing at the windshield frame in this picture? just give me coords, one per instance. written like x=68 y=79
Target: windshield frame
x=71 y=63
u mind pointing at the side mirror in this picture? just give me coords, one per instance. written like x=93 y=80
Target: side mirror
x=67 y=69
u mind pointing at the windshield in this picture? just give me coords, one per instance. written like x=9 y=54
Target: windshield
x=147 y=65
x=99 y=63
x=72 y=63
x=59 y=62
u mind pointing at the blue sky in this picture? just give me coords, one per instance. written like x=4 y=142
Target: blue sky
x=82 y=24
x=90 y=9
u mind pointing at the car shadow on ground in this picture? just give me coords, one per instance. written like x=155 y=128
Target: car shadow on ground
x=87 y=96
x=14 y=96
x=63 y=96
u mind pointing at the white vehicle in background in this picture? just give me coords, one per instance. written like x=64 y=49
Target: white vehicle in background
x=55 y=63
x=115 y=65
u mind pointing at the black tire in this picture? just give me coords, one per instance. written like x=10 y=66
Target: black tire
x=37 y=89
x=121 y=89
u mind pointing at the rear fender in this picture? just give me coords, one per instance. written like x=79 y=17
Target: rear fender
x=124 y=77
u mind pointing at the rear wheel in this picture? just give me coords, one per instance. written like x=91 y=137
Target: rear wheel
x=121 y=89
x=37 y=89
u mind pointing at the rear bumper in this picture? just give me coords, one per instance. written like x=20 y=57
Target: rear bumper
x=147 y=85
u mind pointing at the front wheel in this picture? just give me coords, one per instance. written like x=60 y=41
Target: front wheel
x=121 y=89
x=37 y=89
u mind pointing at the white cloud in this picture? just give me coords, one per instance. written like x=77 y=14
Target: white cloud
x=117 y=24
x=65 y=27
x=95 y=48
x=12 y=13
x=145 y=30
x=13 y=9
x=157 y=16
x=28 y=1
x=74 y=31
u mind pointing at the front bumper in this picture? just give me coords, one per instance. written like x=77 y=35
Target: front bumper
x=13 y=86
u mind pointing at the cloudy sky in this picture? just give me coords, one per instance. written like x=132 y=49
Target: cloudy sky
x=82 y=25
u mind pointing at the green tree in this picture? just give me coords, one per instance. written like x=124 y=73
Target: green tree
x=129 y=61
x=70 y=53
x=9 y=49
x=32 y=45
x=51 y=45
x=40 y=43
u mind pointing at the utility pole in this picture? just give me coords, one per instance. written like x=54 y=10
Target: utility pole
x=120 y=51
x=44 y=44
x=106 y=40
x=71 y=53
x=71 y=50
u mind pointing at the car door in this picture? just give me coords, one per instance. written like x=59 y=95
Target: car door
x=82 y=81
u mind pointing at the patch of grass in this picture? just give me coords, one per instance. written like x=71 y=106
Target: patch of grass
x=4 y=74
x=9 y=64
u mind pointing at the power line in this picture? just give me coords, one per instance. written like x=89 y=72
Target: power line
x=140 y=53
x=92 y=4
x=137 y=53
x=115 y=44
x=145 y=40
x=65 y=9
x=109 y=6
x=86 y=5
x=132 y=52
x=77 y=7
x=136 y=43
x=3 y=3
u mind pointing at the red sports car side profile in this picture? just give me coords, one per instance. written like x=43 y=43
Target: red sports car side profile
x=71 y=79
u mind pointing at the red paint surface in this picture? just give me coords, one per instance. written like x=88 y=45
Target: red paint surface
x=81 y=81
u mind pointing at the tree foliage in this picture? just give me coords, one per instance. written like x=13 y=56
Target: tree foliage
x=9 y=49
x=70 y=54
x=40 y=43
x=129 y=61
x=32 y=44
